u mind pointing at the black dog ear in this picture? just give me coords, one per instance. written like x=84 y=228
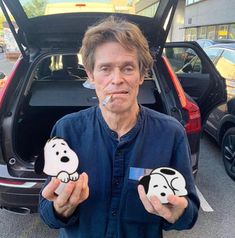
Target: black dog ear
x=145 y=182
x=39 y=163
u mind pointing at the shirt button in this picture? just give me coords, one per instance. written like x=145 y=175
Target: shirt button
x=116 y=182
x=114 y=212
x=119 y=152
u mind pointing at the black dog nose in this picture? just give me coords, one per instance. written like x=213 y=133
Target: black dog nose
x=163 y=194
x=64 y=159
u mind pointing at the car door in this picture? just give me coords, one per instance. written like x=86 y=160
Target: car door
x=197 y=75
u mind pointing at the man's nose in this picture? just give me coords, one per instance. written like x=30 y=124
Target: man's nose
x=117 y=76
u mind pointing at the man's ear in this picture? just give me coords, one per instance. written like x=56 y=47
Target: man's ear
x=141 y=79
x=90 y=76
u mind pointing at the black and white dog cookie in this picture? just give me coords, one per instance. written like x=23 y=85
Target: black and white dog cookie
x=162 y=182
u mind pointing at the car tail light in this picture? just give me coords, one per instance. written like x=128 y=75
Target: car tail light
x=3 y=90
x=194 y=117
x=194 y=122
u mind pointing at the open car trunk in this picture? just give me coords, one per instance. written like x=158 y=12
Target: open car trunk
x=50 y=99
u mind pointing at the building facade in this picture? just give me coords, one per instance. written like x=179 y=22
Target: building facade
x=148 y=8
x=209 y=19
x=197 y=19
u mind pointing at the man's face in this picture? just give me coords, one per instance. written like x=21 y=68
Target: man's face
x=116 y=72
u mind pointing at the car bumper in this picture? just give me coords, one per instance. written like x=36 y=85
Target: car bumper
x=19 y=195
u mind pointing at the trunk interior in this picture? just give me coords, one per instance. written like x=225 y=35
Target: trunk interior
x=49 y=99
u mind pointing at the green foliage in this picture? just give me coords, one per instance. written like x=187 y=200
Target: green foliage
x=35 y=8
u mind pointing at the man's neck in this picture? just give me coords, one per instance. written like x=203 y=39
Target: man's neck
x=121 y=122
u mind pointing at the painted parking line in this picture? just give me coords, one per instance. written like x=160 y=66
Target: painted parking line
x=205 y=206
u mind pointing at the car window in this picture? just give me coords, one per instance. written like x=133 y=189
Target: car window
x=60 y=67
x=183 y=60
x=45 y=7
x=226 y=64
x=213 y=53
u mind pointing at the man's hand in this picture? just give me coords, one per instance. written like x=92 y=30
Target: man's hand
x=171 y=211
x=74 y=193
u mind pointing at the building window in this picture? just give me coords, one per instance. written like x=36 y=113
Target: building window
x=211 y=32
x=231 y=33
x=222 y=32
x=191 y=34
x=201 y=32
x=188 y=2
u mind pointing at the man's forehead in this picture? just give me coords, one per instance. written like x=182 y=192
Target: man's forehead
x=104 y=50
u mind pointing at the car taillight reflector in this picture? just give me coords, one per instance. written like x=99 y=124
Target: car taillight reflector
x=3 y=90
x=194 y=121
x=11 y=182
x=16 y=183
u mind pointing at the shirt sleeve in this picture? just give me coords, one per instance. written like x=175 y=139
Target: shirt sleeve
x=181 y=160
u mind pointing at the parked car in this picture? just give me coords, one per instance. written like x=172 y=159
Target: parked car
x=40 y=91
x=204 y=43
x=221 y=122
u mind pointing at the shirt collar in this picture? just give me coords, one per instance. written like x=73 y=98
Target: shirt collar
x=129 y=135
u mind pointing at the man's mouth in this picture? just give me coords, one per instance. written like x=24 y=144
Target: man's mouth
x=112 y=95
x=119 y=92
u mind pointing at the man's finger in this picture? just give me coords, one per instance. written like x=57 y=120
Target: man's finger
x=177 y=201
x=85 y=187
x=64 y=196
x=144 y=199
x=49 y=191
x=76 y=195
x=160 y=209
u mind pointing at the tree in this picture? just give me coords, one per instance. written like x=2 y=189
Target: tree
x=35 y=8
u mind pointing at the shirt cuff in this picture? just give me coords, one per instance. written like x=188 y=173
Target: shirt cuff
x=54 y=220
x=186 y=220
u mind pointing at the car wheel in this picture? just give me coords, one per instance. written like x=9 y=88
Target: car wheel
x=228 y=152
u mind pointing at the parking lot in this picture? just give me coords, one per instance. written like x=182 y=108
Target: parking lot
x=213 y=183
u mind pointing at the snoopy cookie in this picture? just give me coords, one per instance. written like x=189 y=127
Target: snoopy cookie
x=162 y=182
x=59 y=161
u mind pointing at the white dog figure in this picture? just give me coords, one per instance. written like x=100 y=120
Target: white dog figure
x=163 y=182
x=60 y=160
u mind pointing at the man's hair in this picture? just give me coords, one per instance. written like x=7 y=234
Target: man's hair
x=113 y=29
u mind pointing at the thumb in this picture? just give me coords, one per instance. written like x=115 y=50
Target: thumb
x=177 y=201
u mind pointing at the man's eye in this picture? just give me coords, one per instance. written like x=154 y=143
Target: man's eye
x=128 y=70
x=105 y=69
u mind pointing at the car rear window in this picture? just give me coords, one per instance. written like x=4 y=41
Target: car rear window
x=50 y=7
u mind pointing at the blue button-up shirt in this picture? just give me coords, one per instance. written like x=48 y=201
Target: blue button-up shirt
x=113 y=208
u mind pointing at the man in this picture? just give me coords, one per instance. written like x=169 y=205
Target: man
x=110 y=140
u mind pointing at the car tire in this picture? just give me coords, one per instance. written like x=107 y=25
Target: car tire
x=228 y=152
